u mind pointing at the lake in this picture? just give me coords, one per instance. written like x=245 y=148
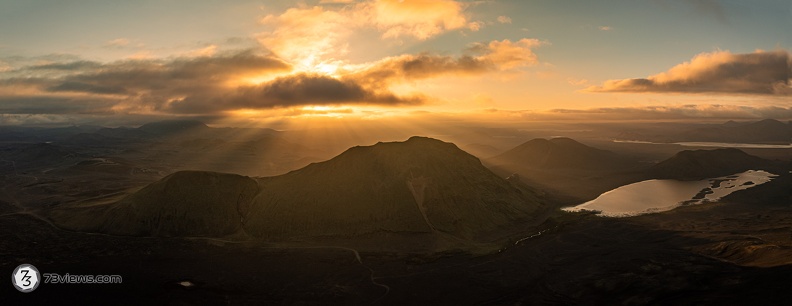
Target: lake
x=714 y=144
x=661 y=195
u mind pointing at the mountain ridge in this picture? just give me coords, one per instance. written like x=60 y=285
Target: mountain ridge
x=420 y=186
x=701 y=164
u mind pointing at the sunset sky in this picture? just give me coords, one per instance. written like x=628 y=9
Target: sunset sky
x=127 y=62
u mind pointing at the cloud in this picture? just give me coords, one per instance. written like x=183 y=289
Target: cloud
x=714 y=111
x=336 y=1
x=67 y=66
x=475 y=26
x=487 y=57
x=307 y=36
x=186 y=85
x=421 y=19
x=717 y=72
x=506 y=54
x=205 y=51
x=577 y=82
x=164 y=79
x=292 y=90
x=87 y=87
x=504 y=19
x=142 y=54
x=605 y=28
x=214 y=83
x=649 y=113
x=117 y=43
x=129 y=85
x=420 y=66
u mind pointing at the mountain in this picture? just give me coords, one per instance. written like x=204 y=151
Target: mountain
x=421 y=186
x=185 y=203
x=559 y=153
x=700 y=164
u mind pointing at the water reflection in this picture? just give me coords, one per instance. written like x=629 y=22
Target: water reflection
x=662 y=195
x=714 y=144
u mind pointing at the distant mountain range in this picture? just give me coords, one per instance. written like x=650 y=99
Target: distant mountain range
x=764 y=131
x=173 y=144
x=150 y=131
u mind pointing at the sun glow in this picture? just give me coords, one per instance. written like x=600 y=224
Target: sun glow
x=254 y=80
x=327 y=68
x=312 y=65
x=316 y=112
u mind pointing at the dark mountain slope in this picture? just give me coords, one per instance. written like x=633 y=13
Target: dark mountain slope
x=421 y=185
x=699 y=164
x=560 y=153
x=186 y=203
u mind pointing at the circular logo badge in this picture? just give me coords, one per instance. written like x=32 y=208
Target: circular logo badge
x=26 y=278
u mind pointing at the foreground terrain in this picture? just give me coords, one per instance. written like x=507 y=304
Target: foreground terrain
x=734 y=251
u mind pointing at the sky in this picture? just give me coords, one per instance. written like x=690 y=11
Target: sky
x=128 y=62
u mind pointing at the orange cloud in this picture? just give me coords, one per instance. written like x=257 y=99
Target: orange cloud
x=417 y=18
x=292 y=90
x=205 y=51
x=199 y=84
x=506 y=54
x=717 y=72
x=319 y=35
x=488 y=57
x=308 y=36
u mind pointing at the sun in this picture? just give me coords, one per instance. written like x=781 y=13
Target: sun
x=312 y=65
